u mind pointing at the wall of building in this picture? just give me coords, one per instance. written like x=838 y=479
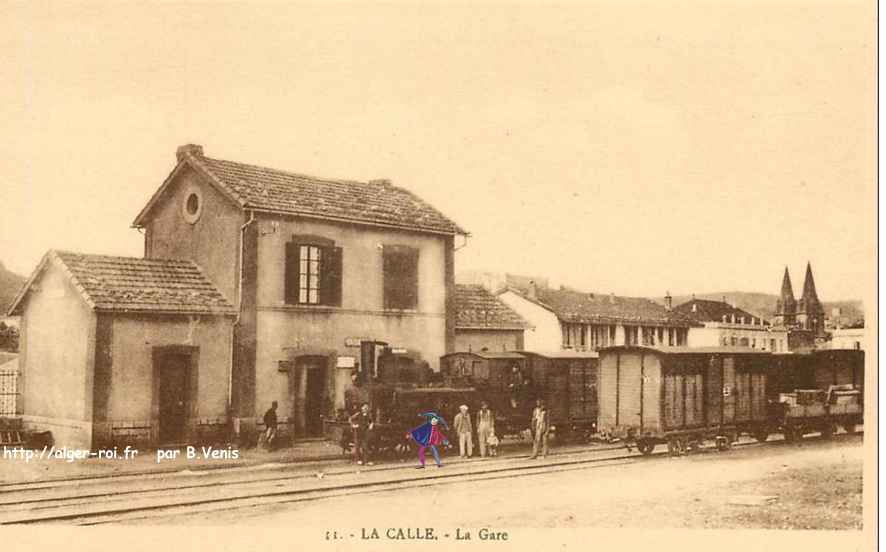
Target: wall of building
x=282 y=329
x=281 y=333
x=714 y=334
x=491 y=340
x=56 y=358
x=847 y=338
x=362 y=282
x=544 y=332
x=212 y=241
x=129 y=385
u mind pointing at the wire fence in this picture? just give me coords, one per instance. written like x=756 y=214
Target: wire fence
x=8 y=392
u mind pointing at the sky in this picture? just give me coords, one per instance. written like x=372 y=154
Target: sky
x=633 y=148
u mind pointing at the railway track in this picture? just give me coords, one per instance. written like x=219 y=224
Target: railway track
x=93 y=506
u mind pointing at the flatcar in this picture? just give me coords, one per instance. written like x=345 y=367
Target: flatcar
x=682 y=396
x=817 y=391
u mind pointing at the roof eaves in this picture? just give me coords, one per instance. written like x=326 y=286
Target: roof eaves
x=497 y=327
x=210 y=311
x=458 y=229
x=73 y=279
x=51 y=256
x=13 y=309
x=193 y=162
x=522 y=295
x=351 y=220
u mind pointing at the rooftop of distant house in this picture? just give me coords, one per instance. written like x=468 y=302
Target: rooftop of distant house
x=705 y=310
x=477 y=308
x=570 y=305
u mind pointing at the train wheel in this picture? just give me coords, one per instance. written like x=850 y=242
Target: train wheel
x=645 y=447
x=793 y=434
x=761 y=435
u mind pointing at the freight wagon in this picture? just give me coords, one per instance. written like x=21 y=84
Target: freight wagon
x=682 y=396
x=567 y=381
x=511 y=382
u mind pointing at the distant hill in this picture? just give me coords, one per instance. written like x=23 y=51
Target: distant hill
x=10 y=284
x=763 y=304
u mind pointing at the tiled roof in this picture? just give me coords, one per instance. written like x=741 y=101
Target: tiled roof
x=476 y=308
x=730 y=350
x=713 y=311
x=375 y=202
x=132 y=284
x=577 y=306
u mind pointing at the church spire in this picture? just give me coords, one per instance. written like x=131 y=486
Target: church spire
x=810 y=297
x=810 y=312
x=787 y=293
x=786 y=306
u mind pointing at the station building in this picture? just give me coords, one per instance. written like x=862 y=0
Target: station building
x=307 y=280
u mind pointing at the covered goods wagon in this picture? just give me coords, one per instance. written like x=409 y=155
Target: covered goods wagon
x=682 y=396
x=567 y=381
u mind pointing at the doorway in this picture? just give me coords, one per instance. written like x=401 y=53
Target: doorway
x=315 y=395
x=309 y=393
x=173 y=372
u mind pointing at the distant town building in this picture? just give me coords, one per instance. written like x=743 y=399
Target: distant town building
x=847 y=338
x=722 y=324
x=484 y=323
x=570 y=319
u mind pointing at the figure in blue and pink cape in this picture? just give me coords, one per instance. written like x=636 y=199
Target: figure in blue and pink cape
x=429 y=435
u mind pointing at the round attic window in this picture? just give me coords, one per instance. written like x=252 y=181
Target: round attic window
x=192 y=206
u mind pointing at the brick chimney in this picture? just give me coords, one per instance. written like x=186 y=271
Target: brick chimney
x=194 y=149
x=669 y=301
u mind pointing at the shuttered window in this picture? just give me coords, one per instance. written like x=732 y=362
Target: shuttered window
x=313 y=274
x=400 y=274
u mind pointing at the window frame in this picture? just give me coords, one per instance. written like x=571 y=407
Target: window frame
x=327 y=278
x=406 y=300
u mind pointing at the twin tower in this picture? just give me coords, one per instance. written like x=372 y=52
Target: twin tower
x=807 y=314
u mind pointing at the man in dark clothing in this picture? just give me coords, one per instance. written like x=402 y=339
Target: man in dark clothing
x=362 y=424
x=515 y=385
x=271 y=425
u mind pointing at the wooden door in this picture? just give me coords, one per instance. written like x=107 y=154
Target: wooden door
x=174 y=375
x=729 y=390
x=315 y=398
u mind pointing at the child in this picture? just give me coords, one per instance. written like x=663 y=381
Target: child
x=492 y=444
x=429 y=435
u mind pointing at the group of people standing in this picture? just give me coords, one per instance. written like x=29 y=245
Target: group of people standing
x=464 y=427
x=429 y=435
x=539 y=427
